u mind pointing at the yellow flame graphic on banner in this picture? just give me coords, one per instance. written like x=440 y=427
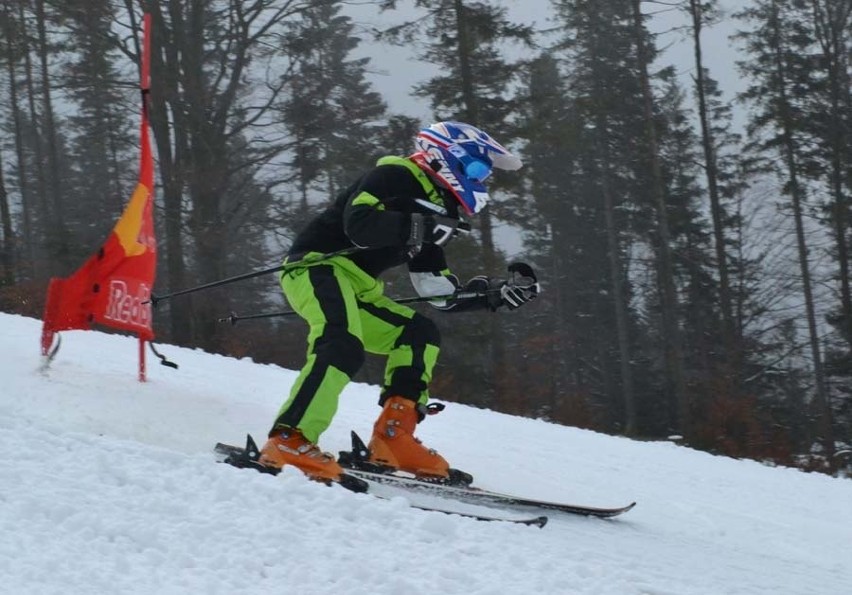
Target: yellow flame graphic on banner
x=128 y=227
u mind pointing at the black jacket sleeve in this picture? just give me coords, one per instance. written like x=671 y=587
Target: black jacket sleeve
x=377 y=214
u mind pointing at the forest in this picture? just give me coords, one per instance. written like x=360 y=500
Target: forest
x=695 y=273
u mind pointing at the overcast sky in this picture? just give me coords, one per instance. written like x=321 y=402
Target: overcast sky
x=395 y=70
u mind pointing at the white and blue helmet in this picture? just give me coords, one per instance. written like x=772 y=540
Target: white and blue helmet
x=465 y=157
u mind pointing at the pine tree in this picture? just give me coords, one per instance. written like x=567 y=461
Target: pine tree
x=831 y=126
x=15 y=120
x=781 y=80
x=330 y=110
x=551 y=152
x=104 y=161
x=57 y=238
x=465 y=40
x=589 y=154
x=702 y=13
x=700 y=317
x=30 y=168
x=396 y=137
x=669 y=307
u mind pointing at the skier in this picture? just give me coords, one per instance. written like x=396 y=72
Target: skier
x=404 y=210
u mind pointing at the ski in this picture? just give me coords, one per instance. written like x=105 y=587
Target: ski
x=247 y=458
x=456 y=486
x=536 y=521
x=474 y=495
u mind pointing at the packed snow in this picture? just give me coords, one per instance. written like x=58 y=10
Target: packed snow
x=109 y=485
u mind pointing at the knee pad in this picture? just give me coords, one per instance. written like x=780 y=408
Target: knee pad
x=339 y=348
x=420 y=331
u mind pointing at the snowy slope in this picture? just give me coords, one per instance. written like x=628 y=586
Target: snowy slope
x=109 y=486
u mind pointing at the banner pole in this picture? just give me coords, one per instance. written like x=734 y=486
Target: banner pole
x=145 y=66
x=145 y=86
x=142 y=370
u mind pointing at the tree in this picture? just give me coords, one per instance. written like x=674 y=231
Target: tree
x=832 y=102
x=104 y=158
x=704 y=339
x=780 y=83
x=11 y=32
x=701 y=13
x=550 y=154
x=665 y=267
x=329 y=108
x=213 y=62
x=29 y=144
x=7 y=255
x=466 y=41
x=582 y=179
x=57 y=238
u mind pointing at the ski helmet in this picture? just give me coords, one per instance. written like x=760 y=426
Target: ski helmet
x=462 y=156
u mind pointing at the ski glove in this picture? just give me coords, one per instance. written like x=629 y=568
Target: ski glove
x=521 y=288
x=513 y=293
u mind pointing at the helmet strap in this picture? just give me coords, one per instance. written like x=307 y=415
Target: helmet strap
x=430 y=168
x=441 y=185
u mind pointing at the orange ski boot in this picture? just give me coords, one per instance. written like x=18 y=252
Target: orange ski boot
x=287 y=446
x=393 y=442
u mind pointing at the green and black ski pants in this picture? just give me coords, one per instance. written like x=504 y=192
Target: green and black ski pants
x=348 y=314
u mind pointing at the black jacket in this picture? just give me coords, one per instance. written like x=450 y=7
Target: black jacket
x=374 y=213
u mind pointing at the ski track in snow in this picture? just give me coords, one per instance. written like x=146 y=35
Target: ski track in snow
x=110 y=486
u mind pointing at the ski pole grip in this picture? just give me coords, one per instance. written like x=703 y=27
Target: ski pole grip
x=233 y=318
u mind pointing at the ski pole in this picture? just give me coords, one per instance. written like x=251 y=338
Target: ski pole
x=301 y=261
x=234 y=318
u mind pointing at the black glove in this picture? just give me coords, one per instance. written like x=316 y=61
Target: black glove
x=518 y=290
x=433 y=229
x=521 y=288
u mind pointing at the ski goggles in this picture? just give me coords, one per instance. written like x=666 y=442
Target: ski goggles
x=472 y=167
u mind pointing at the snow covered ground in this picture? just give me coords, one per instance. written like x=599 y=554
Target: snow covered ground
x=108 y=486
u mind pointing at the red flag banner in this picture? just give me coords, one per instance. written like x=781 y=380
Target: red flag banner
x=111 y=288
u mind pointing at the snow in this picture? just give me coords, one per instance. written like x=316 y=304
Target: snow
x=109 y=485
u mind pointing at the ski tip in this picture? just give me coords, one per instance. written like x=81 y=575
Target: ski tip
x=619 y=511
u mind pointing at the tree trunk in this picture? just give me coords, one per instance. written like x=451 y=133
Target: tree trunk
x=618 y=297
x=7 y=255
x=27 y=239
x=164 y=65
x=41 y=211
x=58 y=232
x=789 y=154
x=732 y=344
x=831 y=25
x=665 y=268
x=205 y=156
x=489 y=251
